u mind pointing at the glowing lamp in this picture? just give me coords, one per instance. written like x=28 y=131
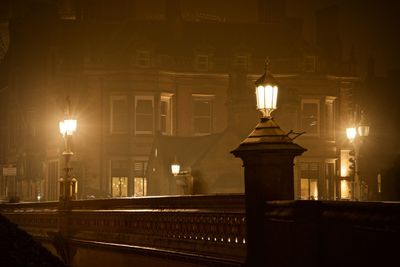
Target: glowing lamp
x=266 y=93
x=351 y=133
x=68 y=127
x=175 y=167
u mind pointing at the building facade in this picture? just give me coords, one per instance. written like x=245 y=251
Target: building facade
x=132 y=77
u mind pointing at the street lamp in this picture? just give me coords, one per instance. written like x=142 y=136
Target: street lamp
x=175 y=167
x=183 y=179
x=363 y=128
x=355 y=135
x=67 y=128
x=266 y=92
x=267 y=154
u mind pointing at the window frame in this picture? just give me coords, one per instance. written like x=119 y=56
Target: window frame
x=166 y=98
x=201 y=97
x=330 y=117
x=202 y=66
x=310 y=179
x=112 y=124
x=242 y=62
x=118 y=176
x=137 y=99
x=310 y=63
x=143 y=162
x=311 y=101
x=143 y=58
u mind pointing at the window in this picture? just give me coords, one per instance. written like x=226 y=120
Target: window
x=119 y=114
x=143 y=58
x=345 y=189
x=345 y=163
x=241 y=62
x=202 y=114
x=202 y=63
x=119 y=170
x=53 y=176
x=309 y=172
x=140 y=181
x=309 y=63
x=330 y=117
x=310 y=122
x=166 y=114
x=144 y=119
x=329 y=180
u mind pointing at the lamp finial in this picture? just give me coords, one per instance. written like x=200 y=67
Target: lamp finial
x=266 y=65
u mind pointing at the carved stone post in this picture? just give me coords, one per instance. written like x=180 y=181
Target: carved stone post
x=267 y=155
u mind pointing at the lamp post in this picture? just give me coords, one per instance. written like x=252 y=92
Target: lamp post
x=267 y=155
x=356 y=135
x=67 y=129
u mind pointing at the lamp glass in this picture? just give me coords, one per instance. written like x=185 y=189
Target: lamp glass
x=363 y=130
x=351 y=133
x=175 y=168
x=68 y=127
x=267 y=96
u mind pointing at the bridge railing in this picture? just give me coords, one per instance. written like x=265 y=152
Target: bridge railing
x=296 y=233
x=211 y=226
x=331 y=233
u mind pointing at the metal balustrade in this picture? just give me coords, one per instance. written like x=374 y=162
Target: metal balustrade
x=211 y=226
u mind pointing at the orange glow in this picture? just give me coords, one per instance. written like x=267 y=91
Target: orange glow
x=351 y=133
x=344 y=163
x=68 y=127
x=345 y=189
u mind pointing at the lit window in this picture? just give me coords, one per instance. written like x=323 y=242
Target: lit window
x=143 y=58
x=119 y=114
x=310 y=116
x=119 y=186
x=202 y=115
x=140 y=181
x=119 y=178
x=309 y=173
x=202 y=62
x=345 y=189
x=144 y=117
x=166 y=114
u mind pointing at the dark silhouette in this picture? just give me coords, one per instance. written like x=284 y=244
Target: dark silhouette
x=18 y=249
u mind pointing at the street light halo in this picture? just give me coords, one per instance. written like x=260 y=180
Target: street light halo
x=351 y=133
x=68 y=126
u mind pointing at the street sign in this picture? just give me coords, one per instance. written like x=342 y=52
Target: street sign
x=10 y=170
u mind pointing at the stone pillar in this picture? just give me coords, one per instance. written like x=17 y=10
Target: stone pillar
x=267 y=155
